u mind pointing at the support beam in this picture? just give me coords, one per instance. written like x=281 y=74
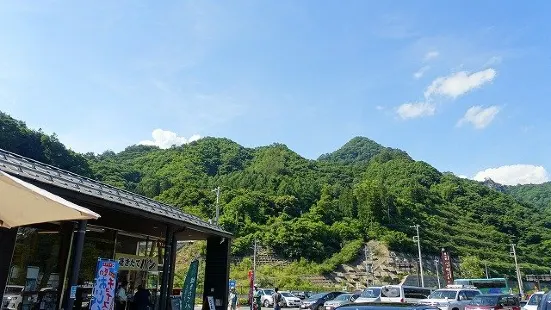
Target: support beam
x=172 y=269
x=64 y=256
x=75 y=267
x=217 y=272
x=166 y=268
x=7 y=244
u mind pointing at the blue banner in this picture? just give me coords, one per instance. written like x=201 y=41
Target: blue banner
x=103 y=296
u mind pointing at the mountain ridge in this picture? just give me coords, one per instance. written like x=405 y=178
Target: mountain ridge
x=312 y=209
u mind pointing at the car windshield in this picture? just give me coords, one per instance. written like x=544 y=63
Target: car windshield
x=443 y=294
x=371 y=293
x=390 y=291
x=285 y=294
x=13 y=290
x=343 y=297
x=317 y=296
x=269 y=292
x=485 y=300
x=535 y=299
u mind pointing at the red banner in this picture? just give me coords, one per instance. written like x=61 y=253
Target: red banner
x=251 y=289
x=447 y=266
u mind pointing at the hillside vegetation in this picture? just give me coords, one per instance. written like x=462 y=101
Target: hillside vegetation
x=309 y=210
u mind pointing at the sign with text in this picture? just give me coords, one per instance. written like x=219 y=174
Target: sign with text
x=447 y=266
x=133 y=262
x=103 y=296
x=190 y=287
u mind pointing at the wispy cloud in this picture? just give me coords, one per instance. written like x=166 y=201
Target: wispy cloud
x=165 y=139
x=479 y=117
x=459 y=83
x=419 y=74
x=493 y=61
x=515 y=174
x=379 y=108
x=431 y=55
x=415 y=110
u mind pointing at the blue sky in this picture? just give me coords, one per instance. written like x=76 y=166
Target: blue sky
x=461 y=85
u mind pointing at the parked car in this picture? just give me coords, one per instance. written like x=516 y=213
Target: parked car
x=341 y=300
x=301 y=294
x=452 y=297
x=316 y=302
x=266 y=297
x=370 y=294
x=290 y=300
x=533 y=301
x=386 y=306
x=12 y=297
x=404 y=294
x=494 y=301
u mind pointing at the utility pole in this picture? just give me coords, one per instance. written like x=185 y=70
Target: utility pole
x=418 y=240
x=519 y=276
x=486 y=270
x=217 y=191
x=254 y=263
x=437 y=272
x=366 y=251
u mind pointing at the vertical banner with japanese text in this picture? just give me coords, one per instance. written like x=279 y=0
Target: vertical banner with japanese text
x=190 y=287
x=251 y=289
x=447 y=266
x=103 y=296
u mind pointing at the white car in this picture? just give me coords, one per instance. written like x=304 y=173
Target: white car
x=12 y=297
x=451 y=298
x=370 y=294
x=290 y=300
x=266 y=297
x=533 y=302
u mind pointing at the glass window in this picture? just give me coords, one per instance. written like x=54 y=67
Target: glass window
x=34 y=277
x=371 y=293
x=416 y=293
x=534 y=299
x=471 y=294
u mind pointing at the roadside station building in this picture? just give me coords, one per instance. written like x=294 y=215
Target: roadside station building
x=142 y=234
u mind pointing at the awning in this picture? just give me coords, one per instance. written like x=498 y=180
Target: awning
x=22 y=203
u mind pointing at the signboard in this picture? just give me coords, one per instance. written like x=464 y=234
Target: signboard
x=133 y=262
x=190 y=287
x=232 y=284
x=73 y=294
x=211 y=303
x=251 y=289
x=103 y=296
x=447 y=266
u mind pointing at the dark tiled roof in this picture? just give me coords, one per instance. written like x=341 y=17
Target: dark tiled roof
x=35 y=170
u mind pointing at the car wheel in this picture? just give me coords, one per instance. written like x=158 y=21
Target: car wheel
x=320 y=307
x=266 y=303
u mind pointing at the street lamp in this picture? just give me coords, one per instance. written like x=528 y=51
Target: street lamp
x=418 y=240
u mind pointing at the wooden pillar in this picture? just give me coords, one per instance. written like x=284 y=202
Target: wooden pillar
x=7 y=246
x=217 y=272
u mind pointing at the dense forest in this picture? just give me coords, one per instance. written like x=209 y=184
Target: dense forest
x=313 y=209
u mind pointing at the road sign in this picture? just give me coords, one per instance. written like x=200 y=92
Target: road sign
x=232 y=283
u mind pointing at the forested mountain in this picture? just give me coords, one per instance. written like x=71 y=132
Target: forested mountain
x=536 y=194
x=311 y=209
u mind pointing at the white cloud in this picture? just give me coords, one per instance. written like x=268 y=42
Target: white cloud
x=495 y=60
x=431 y=55
x=515 y=174
x=379 y=107
x=459 y=83
x=165 y=139
x=414 y=110
x=419 y=74
x=479 y=117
